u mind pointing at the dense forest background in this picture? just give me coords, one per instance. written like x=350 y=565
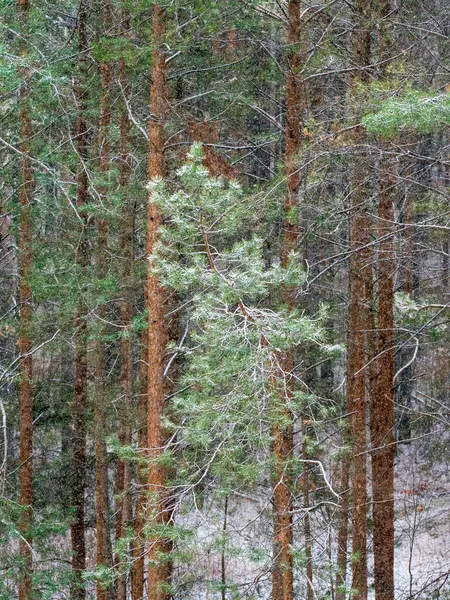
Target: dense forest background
x=224 y=300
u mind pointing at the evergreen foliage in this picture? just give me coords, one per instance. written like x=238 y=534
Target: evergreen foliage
x=231 y=355
x=413 y=111
x=233 y=311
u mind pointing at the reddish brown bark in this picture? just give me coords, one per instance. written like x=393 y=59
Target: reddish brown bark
x=382 y=386
x=360 y=289
x=102 y=509
x=382 y=399
x=123 y=478
x=356 y=391
x=159 y=568
x=231 y=43
x=294 y=104
x=282 y=570
x=77 y=532
x=138 y=548
x=24 y=342
x=208 y=133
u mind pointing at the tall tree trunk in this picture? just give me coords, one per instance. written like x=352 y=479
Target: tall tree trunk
x=306 y=485
x=382 y=390
x=159 y=567
x=360 y=289
x=102 y=509
x=382 y=399
x=77 y=532
x=282 y=570
x=123 y=504
x=138 y=547
x=342 y=539
x=356 y=390
x=25 y=298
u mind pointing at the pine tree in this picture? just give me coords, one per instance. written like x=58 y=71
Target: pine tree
x=334 y=119
x=25 y=299
x=159 y=563
x=138 y=542
x=282 y=573
x=382 y=384
x=359 y=315
x=103 y=531
x=230 y=327
x=78 y=476
x=124 y=474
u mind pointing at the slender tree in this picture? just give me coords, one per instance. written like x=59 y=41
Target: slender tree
x=306 y=485
x=138 y=544
x=382 y=387
x=78 y=483
x=382 y=400
x=103 y=537
x=159 y=565
x=25 y=298
x=123 y=478
x=342 y=538
x=282 y=571
x=359 y=315
x=341 y=172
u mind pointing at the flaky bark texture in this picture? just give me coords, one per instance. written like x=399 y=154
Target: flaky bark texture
x=123 y=478
x=102 y=510
x=360 y=286
x=382 y=387
x=294 y=106
x=208 y=134
x=382 y=399
x=138 y=548
x=356 y=391
x=24 y=342
x=282 y=570
x=159 y=568
x=77 y=533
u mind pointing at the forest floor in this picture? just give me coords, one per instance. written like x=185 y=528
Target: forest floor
x=423 y=524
